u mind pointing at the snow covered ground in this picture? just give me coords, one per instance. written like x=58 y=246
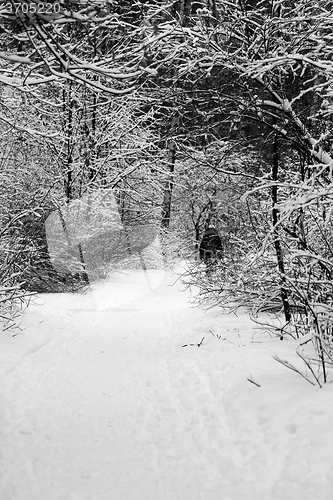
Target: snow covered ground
x=103 y=397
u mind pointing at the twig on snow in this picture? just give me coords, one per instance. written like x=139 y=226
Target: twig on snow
x=253 y=382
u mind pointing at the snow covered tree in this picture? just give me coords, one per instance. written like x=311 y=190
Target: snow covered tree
x=279 y=54
x=70 y=63
x=57 y=41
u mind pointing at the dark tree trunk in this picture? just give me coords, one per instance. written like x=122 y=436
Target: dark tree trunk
x=277 y=241
x=91 y=140
x=68 y=129
x=166 y=210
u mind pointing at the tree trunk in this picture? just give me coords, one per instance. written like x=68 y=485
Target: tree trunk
x=166 y=208
x=277 y=241
x=68 y=129
x=91 y=140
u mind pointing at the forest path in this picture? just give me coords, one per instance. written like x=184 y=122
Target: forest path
x=113 y=408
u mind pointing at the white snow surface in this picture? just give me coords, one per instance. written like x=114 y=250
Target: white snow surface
x=114 y=403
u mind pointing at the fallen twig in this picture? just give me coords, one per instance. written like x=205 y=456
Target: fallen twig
x=201 y=341
x=253 y=382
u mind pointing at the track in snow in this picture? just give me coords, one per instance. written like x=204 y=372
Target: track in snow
x=113 y=408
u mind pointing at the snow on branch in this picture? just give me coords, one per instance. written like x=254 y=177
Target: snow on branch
x=265 y=65
x=28 y=130
x=15 y=58
x=63 y=43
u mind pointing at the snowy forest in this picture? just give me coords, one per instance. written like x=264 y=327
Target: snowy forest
x=183 y=115
x=166 y=249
